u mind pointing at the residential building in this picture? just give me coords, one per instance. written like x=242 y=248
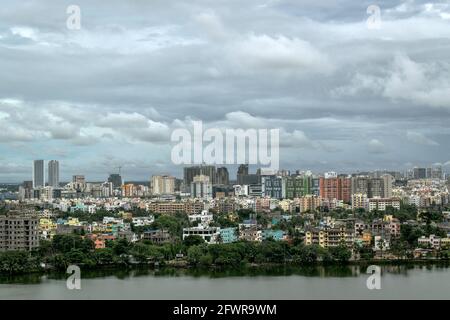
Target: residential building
x=228 y=235
x=163 y=185
x=201 y=187
x=339 y=187
x=116 y=180
x=38 y=174
x=19 y=232
x=381 y=204
x=191 y=172
x=53 y=173
x=272 y=187
x=157 y=236
x=209 y=234
x=223 y=177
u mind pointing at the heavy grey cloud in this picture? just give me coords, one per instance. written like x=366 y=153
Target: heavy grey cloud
x=344 y=96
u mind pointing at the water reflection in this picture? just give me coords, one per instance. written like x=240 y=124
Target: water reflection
x=336 y=271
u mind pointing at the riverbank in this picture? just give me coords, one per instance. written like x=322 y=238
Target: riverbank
x=285 y=282
x=243 y=269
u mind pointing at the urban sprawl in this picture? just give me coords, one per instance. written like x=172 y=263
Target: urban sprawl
x=207 y=219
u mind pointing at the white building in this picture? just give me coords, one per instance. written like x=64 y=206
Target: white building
x=432 y=241
x=204 y=218
x=209 y=234
x=201 y=187
x=143 y=221
x=381 y=204
x=162 y=185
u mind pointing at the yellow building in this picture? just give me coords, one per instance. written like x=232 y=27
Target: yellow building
x=126 y=215
x=367 y=238
x=330 y=237
x=73 y=222
x=128 y=190
x=445 y=243
x=285 y=205
x=46 y=224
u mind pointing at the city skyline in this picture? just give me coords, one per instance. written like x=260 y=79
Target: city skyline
x=219 y=172
x=344 y=96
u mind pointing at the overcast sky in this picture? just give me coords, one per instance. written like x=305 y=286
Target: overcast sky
x=346 y=97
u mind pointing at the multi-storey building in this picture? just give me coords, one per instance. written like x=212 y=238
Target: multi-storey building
x=38 y=174
x=209 y=234
x=373 y=187
x=272 y=187
x=191 y=172
x=339 y=188
x=223 y=177
x=189 y=207
x=360 y=201
x=163 y=185
x=19 y=232
x=297 y=186
x=201 y=187
x=381 y=204
x=330 y=237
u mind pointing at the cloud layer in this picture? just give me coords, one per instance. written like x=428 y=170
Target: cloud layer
x=344 y=96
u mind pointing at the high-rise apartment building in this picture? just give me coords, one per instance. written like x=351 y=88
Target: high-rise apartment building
x=116 y=180
x=297 y=186
x=272 y=186
x=201 y=187
x=191 y=172
x=18 y=232
x=53 y=173
x=163 y=185
x=38 y=174
x=245 y=178
x=336 y=187
x=419 y=173
x=223 y=176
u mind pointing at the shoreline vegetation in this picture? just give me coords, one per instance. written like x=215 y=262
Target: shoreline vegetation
x=192 y=253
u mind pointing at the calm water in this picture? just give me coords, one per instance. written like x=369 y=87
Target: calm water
x=397 y=282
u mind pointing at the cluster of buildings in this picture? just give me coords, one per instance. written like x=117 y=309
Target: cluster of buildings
x=206 y=190
x=248 y=230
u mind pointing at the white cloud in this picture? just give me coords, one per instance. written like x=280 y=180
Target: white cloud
x=376 y=146
x=280 y=52
x=420 y=138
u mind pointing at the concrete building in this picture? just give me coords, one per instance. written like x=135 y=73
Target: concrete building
x=53 y=173
x=116 y=180
x=163 y=185
x=19 y=232
x=373 y=187
x=38 y=174
x=381 y=204
x=157 y=236
x=209 y=234
x=223 y=177
x=191 y=172
x=339 y=188
x=272 y=187
x=201 y=187
x=228 y=235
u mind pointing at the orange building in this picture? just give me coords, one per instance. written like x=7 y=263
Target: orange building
x=339 y=188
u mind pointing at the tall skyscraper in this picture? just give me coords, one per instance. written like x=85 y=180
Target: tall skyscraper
x=244 y=178
x=116 y=180
x=191 y=172
x=201 y=187
x=163 y=185
x=222 y=176
x=38 y=174
x=53 y=173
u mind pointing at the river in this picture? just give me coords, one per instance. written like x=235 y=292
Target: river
x=344 y=282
